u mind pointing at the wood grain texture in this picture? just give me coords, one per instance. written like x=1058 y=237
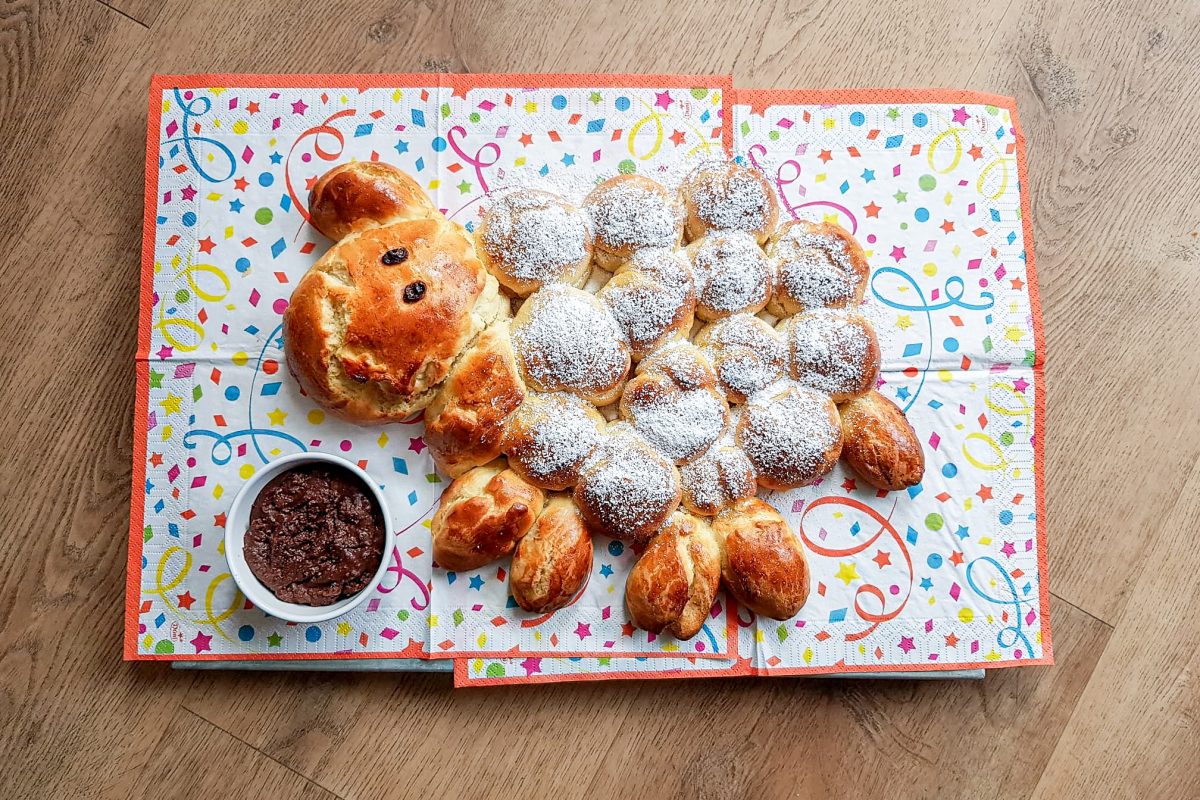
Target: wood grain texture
x=143 y=12
x=1107 y=107
x=195 y=759
x=1105 y=91
x=733 y=735
x=1137 y=727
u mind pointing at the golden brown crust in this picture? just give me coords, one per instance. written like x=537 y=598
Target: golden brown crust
x=481 y=517
x=880 y=444
x=673 y=585
x=364 y=194
x=552 y=563
x=466 y=422
x=762 y=562
x=729 y=196
x=358 y=346
x=820 y=265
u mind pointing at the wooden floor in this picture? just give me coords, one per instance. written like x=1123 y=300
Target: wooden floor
x=1107 y=93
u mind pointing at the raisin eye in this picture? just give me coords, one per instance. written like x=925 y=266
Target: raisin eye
x=414 y=292
x=397 y=255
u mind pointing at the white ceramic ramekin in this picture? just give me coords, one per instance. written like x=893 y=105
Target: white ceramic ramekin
x=237 y=520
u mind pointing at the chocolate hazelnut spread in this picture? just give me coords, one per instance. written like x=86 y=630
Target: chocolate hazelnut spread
x=316 y=535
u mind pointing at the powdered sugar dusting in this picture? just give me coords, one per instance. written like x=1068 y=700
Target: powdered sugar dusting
x=787 y=430
x=746 y=353
x=830 y=351
x=651 y=298
x=628 y=487
x=728 y=197
x=680 y=424
x=732 y=273
x=629 y=213
x=557 y=432
x=567 y=340
x=685 y=363
x=815 y=270
x=571 y=185
x=534 y=236
x=717 y=479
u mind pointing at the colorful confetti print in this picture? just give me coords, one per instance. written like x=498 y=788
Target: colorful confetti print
x=948 y=574
x=230 y=169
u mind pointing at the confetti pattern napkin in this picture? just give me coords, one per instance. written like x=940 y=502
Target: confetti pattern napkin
x=949 y=574
x=951 y=571
x=230 y=160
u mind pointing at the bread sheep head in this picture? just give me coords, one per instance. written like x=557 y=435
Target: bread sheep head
x=373 y=328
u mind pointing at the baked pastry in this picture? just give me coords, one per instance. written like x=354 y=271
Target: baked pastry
x=365 y=194
x=762 y=563
x=679 y=411
x=820 y=265
x=652 y=298
x=728 y=196
x=626 y=490
x=373 y=328
x=466 y=422
x=746 y=353
x=552 y=563
x=673 y=585
x=683 y=361
x=629 y=213
x=566 y=340
x=834 y=351
x=879 y=443
x=717 y=480
x=732 y=275
x=402 y=315
x=791 y=434
x=482 y=515
x=550 y=436
x=529 y=238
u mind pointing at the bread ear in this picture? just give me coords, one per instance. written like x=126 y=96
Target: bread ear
x=365 y=194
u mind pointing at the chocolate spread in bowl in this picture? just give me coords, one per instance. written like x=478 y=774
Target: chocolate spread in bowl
x=316 y=535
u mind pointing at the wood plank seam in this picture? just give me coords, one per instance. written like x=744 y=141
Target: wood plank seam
x=1082 y=707
x=262 y=753
x=1140 y=568
x=1083 y=611
x=123 y=14
x=148 y=752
